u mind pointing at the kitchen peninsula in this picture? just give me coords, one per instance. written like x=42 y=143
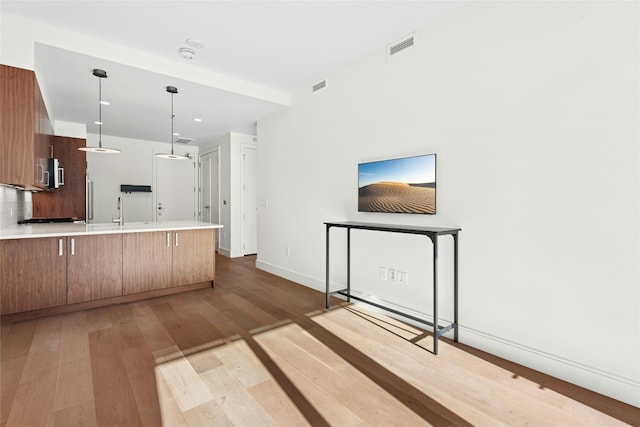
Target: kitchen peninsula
x=49 y=269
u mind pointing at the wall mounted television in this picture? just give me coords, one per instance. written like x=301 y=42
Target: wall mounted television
x=404 y=185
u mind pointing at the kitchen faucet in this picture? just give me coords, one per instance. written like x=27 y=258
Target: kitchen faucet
x=120 y=219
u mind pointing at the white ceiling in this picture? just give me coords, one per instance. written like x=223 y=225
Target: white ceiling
x=284 y=45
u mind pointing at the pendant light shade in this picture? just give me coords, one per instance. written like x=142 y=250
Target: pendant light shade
x=100 y=74
x=172 y=156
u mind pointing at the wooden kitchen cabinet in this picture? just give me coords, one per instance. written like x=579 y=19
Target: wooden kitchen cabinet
x=25 y=130
x=158 y=260
x=193 y=256
x=94 y=267
x=33 y=274
x=69 y=200
x=147 y=261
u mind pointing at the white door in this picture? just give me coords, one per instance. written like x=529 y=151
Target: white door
x=210 y=189
x=249 y=201
x=175 y=190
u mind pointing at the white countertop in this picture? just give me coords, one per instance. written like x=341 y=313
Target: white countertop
x=26 y=231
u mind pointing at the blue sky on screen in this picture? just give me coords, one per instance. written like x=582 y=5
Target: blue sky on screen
x=411 y=170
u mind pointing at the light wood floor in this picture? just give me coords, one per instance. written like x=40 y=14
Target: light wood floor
x=257 y=350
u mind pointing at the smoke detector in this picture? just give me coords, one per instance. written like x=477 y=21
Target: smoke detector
x=195 y=43
x=187 y=52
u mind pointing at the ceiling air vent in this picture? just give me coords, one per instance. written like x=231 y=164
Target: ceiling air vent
x=182 y=140
x=320 y=85
x=404 y=44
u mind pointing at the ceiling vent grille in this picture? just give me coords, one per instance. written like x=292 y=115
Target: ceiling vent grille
x=404 y=44
x=182 y=140
x=320 y=85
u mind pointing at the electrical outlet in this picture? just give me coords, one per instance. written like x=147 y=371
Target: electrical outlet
x=382 y=273
x=391 y=275
x=402 y=277
x=288 y=251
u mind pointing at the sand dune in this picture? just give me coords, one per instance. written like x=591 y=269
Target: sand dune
x=397 y=197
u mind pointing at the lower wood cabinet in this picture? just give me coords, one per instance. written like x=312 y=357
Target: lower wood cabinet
x=193 y=256
x=147 y=261
x=33 y=274
x=94 y=267
x=37 y=273
x=158 y=260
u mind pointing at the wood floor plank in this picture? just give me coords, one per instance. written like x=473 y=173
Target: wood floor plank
x=80 y=415
x=9 y=380
x=207 y=414
x=114 y=399
x=236 y=402
x=17 y=342
x=186 y=386
x=74 y=339
x=74 y=383
x=170 y=413
x=275 y=401
x=33 y=404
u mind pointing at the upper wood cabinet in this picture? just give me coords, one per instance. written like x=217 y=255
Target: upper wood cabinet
x=33 y=274
x=25 y=130
x=69 y=200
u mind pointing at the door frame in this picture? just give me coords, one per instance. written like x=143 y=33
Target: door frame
x=200 y=204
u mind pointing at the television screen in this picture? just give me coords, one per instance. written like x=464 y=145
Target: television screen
x=406 y=185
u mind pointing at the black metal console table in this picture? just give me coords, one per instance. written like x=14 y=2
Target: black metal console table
x=432 y=233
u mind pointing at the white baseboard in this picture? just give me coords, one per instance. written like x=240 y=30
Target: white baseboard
x=229 y=253
x=617 y=387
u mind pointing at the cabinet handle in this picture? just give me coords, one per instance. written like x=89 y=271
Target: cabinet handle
x=59 y=247
x=73 y=246
x=176 y=238
x=168 y=239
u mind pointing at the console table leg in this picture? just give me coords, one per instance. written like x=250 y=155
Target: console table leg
x=348 y=265
x=455 y=286
x=327 y=268
x=434 y=240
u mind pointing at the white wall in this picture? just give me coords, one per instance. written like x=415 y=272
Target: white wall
x=134 y=165
x=532 y=109
x=230 y=154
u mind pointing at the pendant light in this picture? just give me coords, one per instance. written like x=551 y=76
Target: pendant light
x=100 y=74
x=171 y=156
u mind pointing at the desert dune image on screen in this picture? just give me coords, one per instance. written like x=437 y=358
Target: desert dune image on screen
x=406 y=185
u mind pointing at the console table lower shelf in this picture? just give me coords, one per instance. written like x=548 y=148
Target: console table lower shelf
x=432 y=233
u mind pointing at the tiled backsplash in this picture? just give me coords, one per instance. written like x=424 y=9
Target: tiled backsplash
x=15 y=205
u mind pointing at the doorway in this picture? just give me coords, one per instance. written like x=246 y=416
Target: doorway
x=210 y=189
x=249 y=201
x=175 y=186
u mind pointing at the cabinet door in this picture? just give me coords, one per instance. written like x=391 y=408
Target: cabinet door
x=146 y=261
x=68 y=200
x=193 y=256
x=32 y=274
x=17 y=126
x=94 y=267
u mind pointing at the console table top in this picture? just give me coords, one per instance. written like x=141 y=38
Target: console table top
x=395 y=228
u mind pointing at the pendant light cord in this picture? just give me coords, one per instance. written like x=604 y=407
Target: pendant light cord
x=100 y=112
x=172 y=116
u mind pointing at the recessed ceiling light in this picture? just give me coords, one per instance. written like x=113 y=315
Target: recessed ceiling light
x=195 y=43
x=97 y=123
x=105 y=103
x=197 y=119
x=176 y=134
